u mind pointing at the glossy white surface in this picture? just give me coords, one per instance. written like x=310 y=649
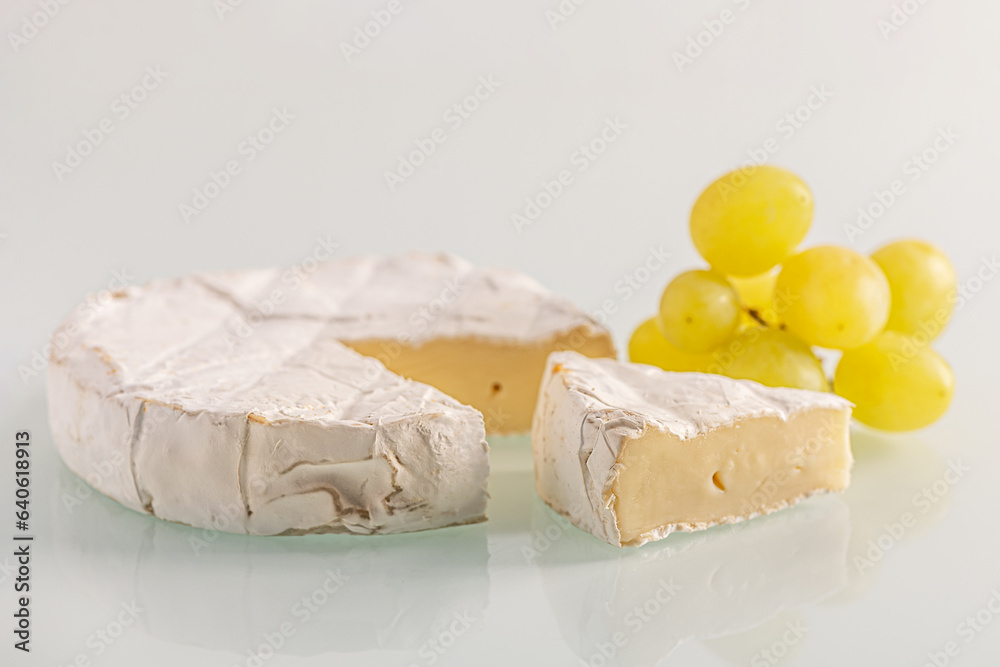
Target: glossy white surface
x=725 y=595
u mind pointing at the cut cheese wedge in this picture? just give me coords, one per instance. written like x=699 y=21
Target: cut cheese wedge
x=632 y=453
x=480 y=335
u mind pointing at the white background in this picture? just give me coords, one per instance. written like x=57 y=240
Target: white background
x=887 y=96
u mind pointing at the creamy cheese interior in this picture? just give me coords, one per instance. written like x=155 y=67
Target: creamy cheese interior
x=499 y=378
x=754 y=466
x=632 y=453
x=479 y=334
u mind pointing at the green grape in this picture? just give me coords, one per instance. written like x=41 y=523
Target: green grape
x=756 y=294
x=834 y=297
x=751 y=219
x=772 y=357
x=895 y=383
x=699 y=310
x=923 y=285
x=648 y=346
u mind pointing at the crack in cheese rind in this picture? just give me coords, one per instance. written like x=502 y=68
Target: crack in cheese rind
x=628 y=452
x=160 y=406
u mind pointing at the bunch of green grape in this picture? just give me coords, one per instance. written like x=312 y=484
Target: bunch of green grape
x=762 y=306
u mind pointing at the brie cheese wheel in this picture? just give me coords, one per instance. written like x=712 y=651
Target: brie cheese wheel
x=632 y=453
x=480 y=335
x=171 y=401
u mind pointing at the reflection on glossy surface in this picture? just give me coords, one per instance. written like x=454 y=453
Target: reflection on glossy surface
x=634 y=606
x=229 y=592
x=737 y=588
x=512 y=484
x=894 y=475
x=776 y=641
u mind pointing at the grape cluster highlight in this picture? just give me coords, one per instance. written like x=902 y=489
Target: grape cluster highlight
x=762 y=306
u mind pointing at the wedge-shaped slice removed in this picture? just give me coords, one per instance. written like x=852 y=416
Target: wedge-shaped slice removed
x=632 y=453
x=479 y=334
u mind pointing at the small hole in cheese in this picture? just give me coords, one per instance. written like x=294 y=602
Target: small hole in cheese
x=717 y=480
x=496 y=387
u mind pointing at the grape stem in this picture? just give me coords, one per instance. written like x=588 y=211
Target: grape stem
x=754 y=314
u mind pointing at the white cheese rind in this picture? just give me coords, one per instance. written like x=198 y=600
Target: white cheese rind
x=410 y=298
x=159 y=405
x=589 y=409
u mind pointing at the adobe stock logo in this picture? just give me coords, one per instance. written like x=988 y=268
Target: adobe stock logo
x=247 y=151
x=366 y=33
x=581 y=159
x=967 y=630
x=631 y=282
x=712 y=30
x=899 y=16
x=911 y=171
x=562 y=12
x=33 y=23
x=223 y=7
x=455 y=116
x=780 y=647
x=121 y=108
